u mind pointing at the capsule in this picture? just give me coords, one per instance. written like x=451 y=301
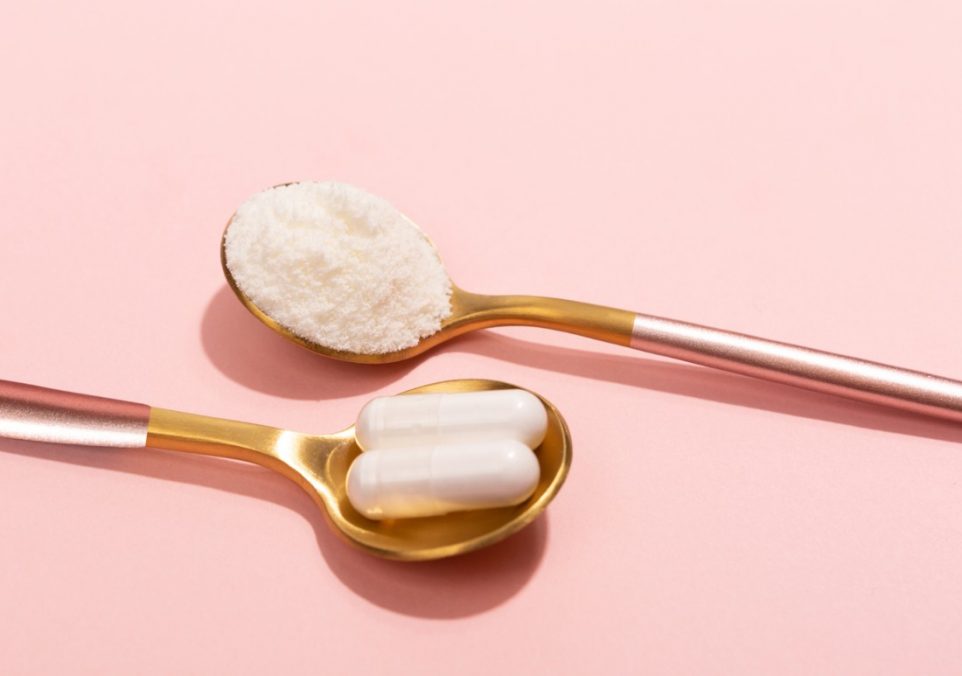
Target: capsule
x=433 y=480
x=412 y=420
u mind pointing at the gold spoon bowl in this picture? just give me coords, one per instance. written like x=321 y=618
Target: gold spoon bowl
x=469 y=312
x=317 y=463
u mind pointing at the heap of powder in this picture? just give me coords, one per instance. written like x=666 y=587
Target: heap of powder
x=338 y=266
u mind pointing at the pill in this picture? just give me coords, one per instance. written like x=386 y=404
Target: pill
x=429 y=419
x=433 y=480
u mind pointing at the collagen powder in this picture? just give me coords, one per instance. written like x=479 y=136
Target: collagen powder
x=338 y=266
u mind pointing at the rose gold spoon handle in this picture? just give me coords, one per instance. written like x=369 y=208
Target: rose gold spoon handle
x=802 y=366
x=41 y=414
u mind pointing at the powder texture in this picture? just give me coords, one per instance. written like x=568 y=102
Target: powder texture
x=338 y=266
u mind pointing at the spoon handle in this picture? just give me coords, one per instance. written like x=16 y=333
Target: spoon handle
x=795 y=365
x=736 y=352
x=41 y=414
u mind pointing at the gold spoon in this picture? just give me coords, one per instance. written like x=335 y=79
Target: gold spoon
x=317 y=463
x=739 y=353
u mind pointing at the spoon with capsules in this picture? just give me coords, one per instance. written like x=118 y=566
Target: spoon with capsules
x=318 y=463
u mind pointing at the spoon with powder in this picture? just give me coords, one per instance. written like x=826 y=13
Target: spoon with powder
x=344 y=273
x=318 y=463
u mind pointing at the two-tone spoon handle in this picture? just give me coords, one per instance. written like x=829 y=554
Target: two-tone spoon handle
x=727 y=350
x=42 y=414
x=801 y=366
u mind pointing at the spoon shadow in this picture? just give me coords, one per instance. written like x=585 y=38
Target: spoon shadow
x=703 y=383
x=460 y=586
x=256 y=357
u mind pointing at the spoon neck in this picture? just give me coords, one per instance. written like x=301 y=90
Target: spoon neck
x=203 y=435
x=585 y=319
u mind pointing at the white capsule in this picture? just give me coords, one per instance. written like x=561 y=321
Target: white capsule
x=433 y=480
x=427 y=419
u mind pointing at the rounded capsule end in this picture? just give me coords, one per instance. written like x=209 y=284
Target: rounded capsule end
x=363 y=487
x=530 y=416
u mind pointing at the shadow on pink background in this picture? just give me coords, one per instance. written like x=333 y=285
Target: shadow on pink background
x=449 y=588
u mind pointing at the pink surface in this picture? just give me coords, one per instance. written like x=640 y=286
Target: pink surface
x=786 y=169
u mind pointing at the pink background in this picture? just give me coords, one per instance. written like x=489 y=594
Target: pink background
x=788 y=169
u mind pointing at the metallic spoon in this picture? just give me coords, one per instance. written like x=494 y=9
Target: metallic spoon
x=317 y=463
x=736 y=352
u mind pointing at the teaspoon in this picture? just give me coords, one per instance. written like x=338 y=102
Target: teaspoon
x=317 y=463
x=727 y=350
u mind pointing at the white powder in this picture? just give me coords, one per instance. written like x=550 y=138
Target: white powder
x=338 y=267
